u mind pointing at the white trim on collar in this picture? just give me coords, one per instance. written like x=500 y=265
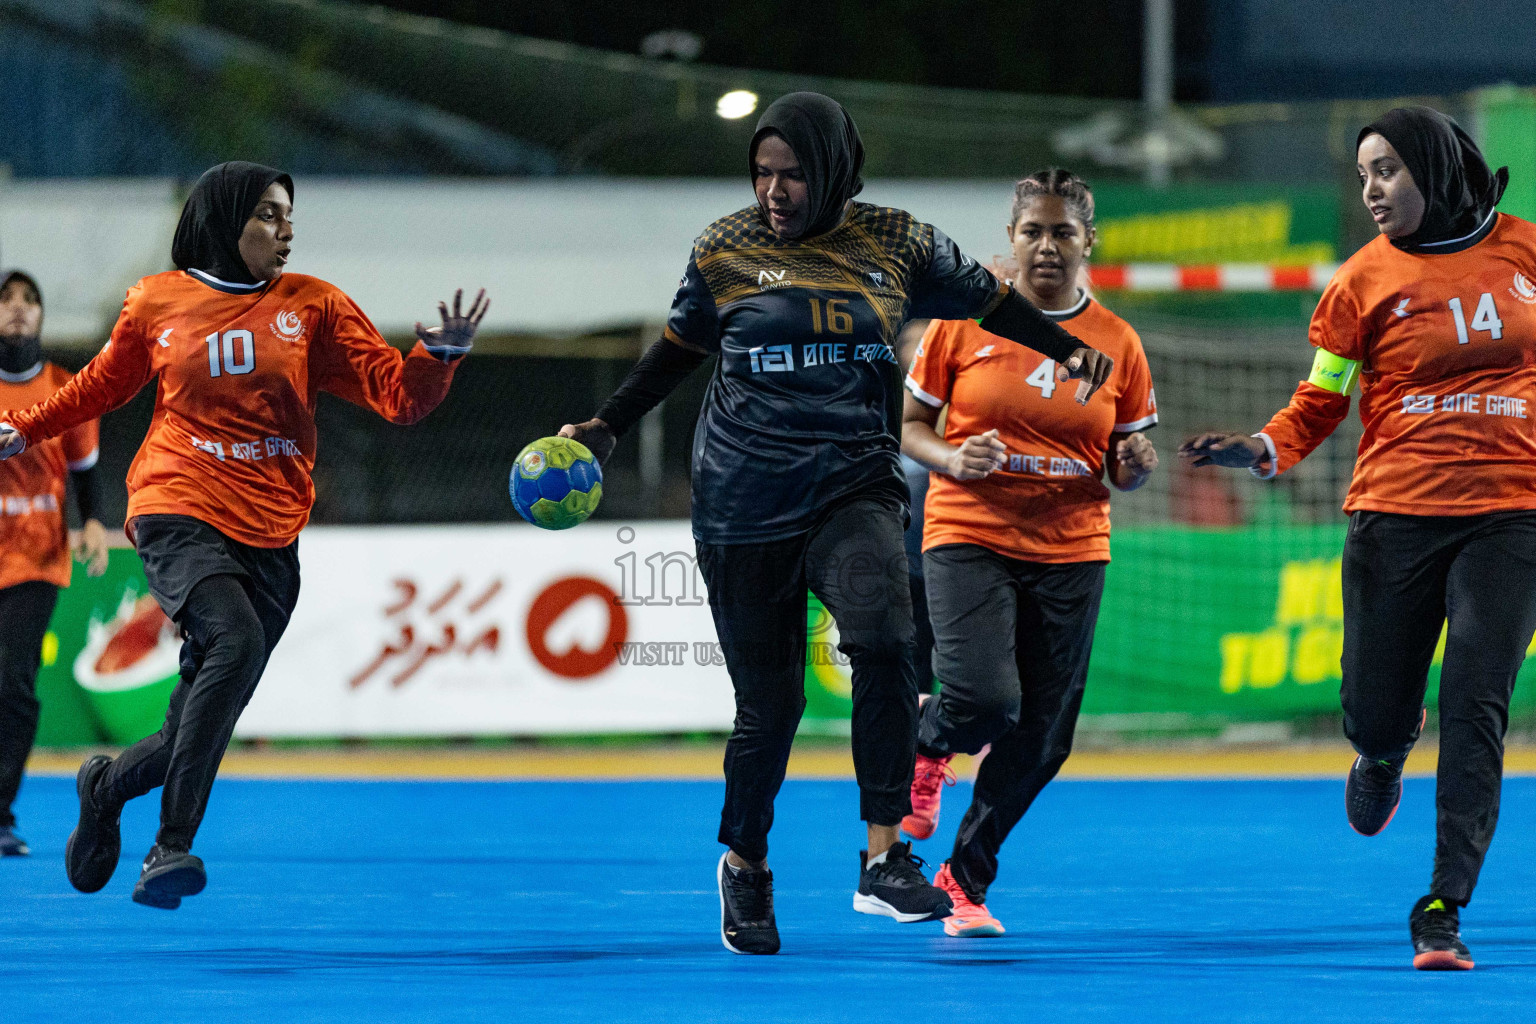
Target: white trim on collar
x=23 y=376
x=1072 y=310
x=1452 y=241
x=208 y=278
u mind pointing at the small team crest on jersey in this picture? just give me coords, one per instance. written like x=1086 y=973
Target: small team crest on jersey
x=1523 y=290
x=288 y=327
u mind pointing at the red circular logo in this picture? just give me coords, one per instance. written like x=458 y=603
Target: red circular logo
x=577 y=663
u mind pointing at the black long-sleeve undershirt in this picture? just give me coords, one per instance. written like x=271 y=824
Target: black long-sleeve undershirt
x=87 y=491
x=1020 y=322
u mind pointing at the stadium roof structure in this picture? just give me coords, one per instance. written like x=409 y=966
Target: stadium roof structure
x=619 y=113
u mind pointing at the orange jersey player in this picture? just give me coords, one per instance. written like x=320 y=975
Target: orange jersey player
x=1016 y=534
x=34 y=543
x=221 y=486
x=1436 y=319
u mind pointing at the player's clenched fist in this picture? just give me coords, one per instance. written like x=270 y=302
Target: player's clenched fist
x=1136 y=454
x=977 y=457
x=11 y=442
x=595 y=434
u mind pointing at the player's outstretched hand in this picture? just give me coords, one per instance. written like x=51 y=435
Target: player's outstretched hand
x=1236 y=451
x=10 y=442
x=1136 y=454
x=977 y=457
x=1088 y=365
x=91 y=547
x=595 y=434
x=458 y=329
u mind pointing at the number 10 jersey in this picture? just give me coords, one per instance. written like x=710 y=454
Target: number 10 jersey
x=232 y=441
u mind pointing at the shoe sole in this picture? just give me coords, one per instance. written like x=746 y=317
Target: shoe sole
x=69 y=847
x=870 y=904
x=165 y=889
x=915 y=827
x=1441 y=960
x=724 y=939
x=980 y=930
x=20 y=850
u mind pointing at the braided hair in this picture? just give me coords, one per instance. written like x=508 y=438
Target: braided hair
x=1056 y=181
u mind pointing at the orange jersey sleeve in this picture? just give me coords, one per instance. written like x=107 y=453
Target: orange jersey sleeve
x=82 y=445
x=33 y=538
x=1314 y=413
x=933 y=371
x=1048 y=502
x=354 y=362
x=1136 y=403
x=108 y=381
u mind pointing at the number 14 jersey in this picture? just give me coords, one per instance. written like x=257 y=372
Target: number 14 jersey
x=1447 y=347
x=232 y=441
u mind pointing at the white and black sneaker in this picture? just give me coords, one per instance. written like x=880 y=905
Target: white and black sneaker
x=168 y=876
x=746 y=909
x=894 y=885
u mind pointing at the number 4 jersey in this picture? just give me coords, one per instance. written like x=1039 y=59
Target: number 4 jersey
x=1446 y=349
x=232 y=441
x=1048 y=502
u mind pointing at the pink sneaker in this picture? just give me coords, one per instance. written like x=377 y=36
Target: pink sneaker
x=967 y=920
x=929 y=778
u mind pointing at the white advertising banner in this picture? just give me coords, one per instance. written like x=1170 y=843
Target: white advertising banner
x=495 y=631
x=556 y=255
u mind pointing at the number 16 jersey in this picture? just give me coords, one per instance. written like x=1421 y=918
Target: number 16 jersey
x=804 y=408
x=232 y=441
x=1447 y=347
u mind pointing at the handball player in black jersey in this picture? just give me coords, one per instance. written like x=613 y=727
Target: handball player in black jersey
x=797 y=483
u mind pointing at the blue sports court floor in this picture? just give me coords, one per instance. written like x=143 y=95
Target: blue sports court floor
x=587 y=901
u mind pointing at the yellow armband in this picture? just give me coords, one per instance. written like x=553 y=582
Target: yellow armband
x=1334 y=373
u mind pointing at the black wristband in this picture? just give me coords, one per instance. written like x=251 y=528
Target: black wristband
x=1019 y=321
x=664 y=366
x=87 y=491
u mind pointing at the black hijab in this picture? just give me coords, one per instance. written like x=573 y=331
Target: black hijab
x=208 y=235
x=1459 y=190
x=826 y=142
x=18 y=355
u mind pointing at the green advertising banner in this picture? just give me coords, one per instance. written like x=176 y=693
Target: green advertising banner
x=109 y=659
x=1199 y=629
x=1508 y=117
x=1216 y=223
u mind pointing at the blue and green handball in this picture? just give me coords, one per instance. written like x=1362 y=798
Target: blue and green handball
x=556 y=483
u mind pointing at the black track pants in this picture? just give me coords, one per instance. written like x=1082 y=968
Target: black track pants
x=854 y=563
x=231 y=620
x=1012 y=640
x=1404 y=577
x=25 y=609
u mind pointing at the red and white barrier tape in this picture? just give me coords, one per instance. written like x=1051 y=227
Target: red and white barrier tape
x=1221 y=277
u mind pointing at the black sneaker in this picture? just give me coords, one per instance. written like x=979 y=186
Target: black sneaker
x=1372 y=793
x=896 y=887
x=1435 y=927
x=90 y=856
x=168 y=876
x=746 y=909
x=11 y=844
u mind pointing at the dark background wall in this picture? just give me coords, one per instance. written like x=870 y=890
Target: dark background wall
x=1325 y=49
